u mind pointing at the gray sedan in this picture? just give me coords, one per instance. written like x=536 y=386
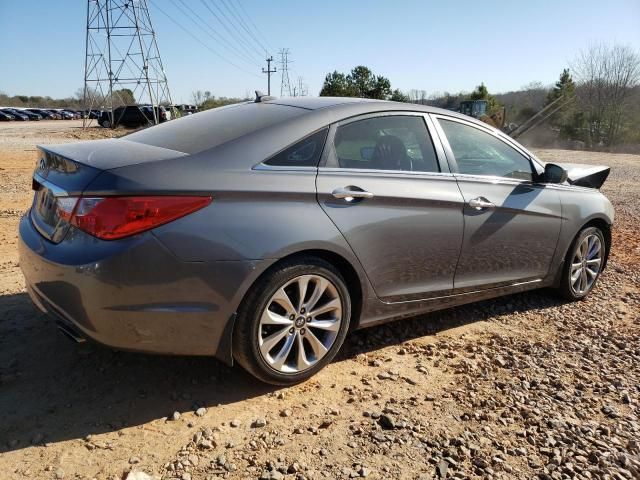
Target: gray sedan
x=264 y=231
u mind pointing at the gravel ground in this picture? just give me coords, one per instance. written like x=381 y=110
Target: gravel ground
x=525 y=386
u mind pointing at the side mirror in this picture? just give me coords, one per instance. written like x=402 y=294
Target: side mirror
x=554 y=174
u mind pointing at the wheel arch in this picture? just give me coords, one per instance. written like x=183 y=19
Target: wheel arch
x=351 y=276
x=353 y=279
x=605 y=227
x=601 y=222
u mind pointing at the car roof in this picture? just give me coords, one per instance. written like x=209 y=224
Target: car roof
x=348 y=106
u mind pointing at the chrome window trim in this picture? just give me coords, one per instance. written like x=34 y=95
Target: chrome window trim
x=492 y=179
x=386 y=113
x=487 y=129
x=330 y=155
x=282 y=168
x=386 y=173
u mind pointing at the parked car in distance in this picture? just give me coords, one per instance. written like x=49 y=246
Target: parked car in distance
x=263 y=232
x=32 y=116
x=6 y=117
x=17 y=115
x=56 y=115
x=185 y=109
x=64 y=115
x=133 y=116
x=74 y=114
x=46 y=115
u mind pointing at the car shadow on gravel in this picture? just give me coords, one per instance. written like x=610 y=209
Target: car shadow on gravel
x=52 y=390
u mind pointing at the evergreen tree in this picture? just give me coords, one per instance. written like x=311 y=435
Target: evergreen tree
x=568 y=119
x=361 y=82
x=482 y=93
x=336 y=85
x=564 y=86
x=398 y=96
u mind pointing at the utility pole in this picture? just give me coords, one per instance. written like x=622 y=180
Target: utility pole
x=122 y=59
x=268 y=71
x=285 y=86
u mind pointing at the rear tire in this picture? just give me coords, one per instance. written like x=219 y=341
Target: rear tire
x=583 y=264
x=292 y=322
x=106 y=124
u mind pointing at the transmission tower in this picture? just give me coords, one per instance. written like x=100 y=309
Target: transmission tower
x=122 y=60
x=285 y=86
x=303 y=90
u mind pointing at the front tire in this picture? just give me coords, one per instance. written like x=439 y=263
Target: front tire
x=583 y=264
x=293 y=321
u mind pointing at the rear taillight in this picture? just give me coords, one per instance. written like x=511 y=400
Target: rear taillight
x=110 y=218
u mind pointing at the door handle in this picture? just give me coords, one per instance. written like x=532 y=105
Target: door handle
x=481 y=203
x=351 y=193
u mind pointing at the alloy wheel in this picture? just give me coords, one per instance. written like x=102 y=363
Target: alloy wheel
x=586 y=264
x=300 y=323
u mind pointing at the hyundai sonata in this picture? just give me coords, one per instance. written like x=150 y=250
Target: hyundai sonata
x=265 y=231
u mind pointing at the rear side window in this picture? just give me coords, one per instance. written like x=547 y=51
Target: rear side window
x=305 y=153
x=480 y=153
x=386 y=143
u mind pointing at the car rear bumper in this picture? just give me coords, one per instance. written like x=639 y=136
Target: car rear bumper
x=134 y=294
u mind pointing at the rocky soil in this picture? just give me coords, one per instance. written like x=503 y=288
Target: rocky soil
x=521 y=387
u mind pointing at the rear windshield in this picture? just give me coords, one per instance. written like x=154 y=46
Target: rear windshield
x=208 y=129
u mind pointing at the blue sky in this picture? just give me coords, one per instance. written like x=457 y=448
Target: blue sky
x=435 y=46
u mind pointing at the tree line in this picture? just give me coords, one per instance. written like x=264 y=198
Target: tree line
x=598 y=97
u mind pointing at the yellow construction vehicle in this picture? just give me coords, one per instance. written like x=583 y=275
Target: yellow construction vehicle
x=478 y=109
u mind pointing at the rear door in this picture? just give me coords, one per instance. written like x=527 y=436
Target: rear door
x=388 y=189
x=511 y=222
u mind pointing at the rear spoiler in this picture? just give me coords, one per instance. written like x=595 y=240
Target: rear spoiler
x=591 y=176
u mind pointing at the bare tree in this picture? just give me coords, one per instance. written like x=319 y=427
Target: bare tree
x=606 y=78
x=199 y=97
x=417 y=96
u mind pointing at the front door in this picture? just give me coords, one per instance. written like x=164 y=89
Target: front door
x=511 y=222
x=395 y=202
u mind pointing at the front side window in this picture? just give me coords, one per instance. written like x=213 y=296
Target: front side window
x=480 y=153
x=386 y=143
x=305 y=153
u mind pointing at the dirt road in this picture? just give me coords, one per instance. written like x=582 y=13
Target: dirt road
x=521 y=387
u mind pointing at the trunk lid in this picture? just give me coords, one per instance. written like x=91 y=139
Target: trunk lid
x=66 y=170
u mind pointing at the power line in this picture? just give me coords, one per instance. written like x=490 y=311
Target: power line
x=256 y=29
x=243 y=25
x=208 y=30
x=238 y=35
x=188 y=32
